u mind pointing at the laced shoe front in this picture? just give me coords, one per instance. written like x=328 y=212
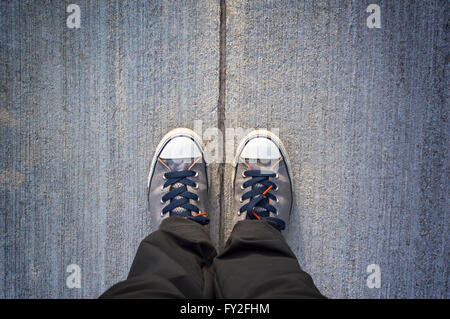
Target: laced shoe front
x=262 y=184
x=178 y=181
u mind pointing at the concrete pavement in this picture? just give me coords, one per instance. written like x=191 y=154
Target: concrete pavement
x=362 y=112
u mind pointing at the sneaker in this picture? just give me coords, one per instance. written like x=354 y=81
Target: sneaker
x=178 y=183
x=262 y=184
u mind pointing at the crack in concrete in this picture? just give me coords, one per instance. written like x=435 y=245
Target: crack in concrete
x=221 y=115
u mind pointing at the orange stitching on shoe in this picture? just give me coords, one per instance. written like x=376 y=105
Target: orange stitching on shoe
x=248 y=166
x=279 y=160
x=193 y=162
x=164 y=163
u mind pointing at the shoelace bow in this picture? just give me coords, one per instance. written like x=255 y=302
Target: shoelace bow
x=259 y=206
x=179 y=197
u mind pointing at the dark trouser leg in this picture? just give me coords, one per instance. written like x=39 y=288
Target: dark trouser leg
x=258 y=263
x=173 y=262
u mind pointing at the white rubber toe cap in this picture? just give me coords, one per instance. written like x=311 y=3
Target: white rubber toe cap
x=260 y=148
x=180 y=147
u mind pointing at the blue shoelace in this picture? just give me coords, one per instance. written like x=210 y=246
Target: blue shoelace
x=179 y=197
x=259 y=205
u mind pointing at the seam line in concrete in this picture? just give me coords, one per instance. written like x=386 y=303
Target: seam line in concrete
x=221 y=116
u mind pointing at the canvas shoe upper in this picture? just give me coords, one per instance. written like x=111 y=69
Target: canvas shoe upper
x=178 y=181
x=262 y=184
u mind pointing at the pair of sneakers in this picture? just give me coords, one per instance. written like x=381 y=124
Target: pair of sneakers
x=262 y=185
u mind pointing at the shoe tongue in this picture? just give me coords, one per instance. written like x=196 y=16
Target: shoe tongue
x=179 y=164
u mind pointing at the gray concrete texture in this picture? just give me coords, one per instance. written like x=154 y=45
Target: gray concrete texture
x=362 y=113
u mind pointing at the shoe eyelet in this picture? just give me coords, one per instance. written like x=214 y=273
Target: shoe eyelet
x=240 y=200
x=276 y=189
x=162 y=187
x=162 y=214
x=239 y=213
x=164 y=177
x=243 y=174
x=162 y=202
x=277 y=201
x=276 y=176
x=196 y=174
x=196 y=186
x=242 y=186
